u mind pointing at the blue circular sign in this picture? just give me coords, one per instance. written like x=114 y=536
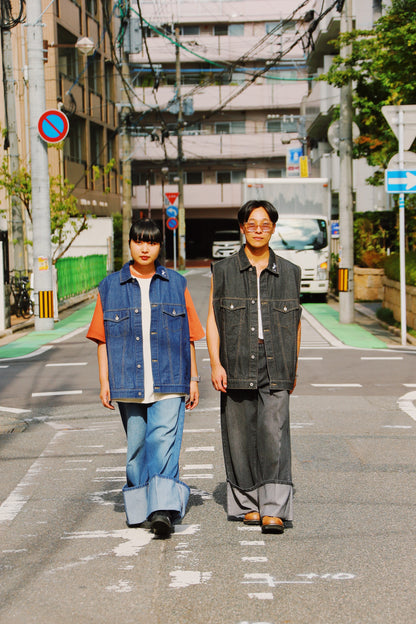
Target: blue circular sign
x=172 y=223
x=172 y=211
x=53 y=126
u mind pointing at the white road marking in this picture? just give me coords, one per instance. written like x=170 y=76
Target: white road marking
x=57 y=393
x=255 y=559
x=247 y=543
x=409 y=385
x=204 y=495
x=310 y=358
x=199 y=449
x=14 y=410
x=185 y=578
x=111 y=469
x=198 y=467
x=131 y=541
x=397 y=426
x=199 y=430
x=18 y=498
x=380 y=358
x=198 y=475
x=122 y=587
x=68 y=364
x=406 y=403
x=7 y=366
x=261 y=595
x=338 y=385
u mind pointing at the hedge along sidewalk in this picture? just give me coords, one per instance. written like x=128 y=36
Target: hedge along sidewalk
x=33 y=340
x=352 y=335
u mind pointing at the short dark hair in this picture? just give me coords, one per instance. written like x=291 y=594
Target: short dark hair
x=247 y=208
x=145 y=230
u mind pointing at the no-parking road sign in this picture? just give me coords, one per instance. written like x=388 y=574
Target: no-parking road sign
x=53 y=126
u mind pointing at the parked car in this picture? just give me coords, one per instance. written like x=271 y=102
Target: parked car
x=225 y=243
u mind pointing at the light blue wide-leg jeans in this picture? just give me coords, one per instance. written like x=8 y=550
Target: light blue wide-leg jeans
x=154 y=436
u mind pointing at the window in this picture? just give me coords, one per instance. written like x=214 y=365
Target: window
x=276 y=173
x=96 y=144
x=94 y=78
x=189 y=30
x=193 y=177
x=285 y=123
x=233 y=30
x=109 y=84
x=92 y=7
x=139 y=178
x=73 y=142
x=230 y=177
x=281 y=27
x=230 y=127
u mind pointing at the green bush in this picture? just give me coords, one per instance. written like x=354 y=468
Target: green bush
x=386 y=315
x=392 y=268
x=374 y=236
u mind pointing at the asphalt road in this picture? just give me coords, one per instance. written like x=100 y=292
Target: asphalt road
x=68 y=556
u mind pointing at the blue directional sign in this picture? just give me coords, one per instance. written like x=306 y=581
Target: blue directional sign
x=400 y=181
x=172 y=211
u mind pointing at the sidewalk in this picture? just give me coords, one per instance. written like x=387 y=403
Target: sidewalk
x=21 y=340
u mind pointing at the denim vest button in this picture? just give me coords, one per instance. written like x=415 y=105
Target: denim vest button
x=137 y=337
x=253 y=329
x=139 y=365
x=136 y=311
x=117 y=318
x=232 y=307
x=253 y=301
x=253 y=357
x=251 y=384
x=285 y=309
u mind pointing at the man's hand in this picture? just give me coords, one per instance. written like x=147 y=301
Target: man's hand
x=219 y=378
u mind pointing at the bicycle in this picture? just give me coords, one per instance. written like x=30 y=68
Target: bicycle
x=23 y=305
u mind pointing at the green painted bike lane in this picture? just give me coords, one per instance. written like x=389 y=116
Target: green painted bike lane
x=352 y=335
x=33 y=340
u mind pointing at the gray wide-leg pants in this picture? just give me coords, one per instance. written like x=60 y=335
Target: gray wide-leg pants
x=257 y=452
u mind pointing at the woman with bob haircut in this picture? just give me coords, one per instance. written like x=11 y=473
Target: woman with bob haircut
x=145 y=326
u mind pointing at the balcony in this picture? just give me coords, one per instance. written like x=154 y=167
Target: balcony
x=215 y=147
x=264 y=96
x=196 y=196
x=70 y=13
x=217 y=49
x=318 y=108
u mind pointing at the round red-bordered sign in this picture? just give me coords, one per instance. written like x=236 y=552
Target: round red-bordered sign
x=53 y=126
x=172 y=223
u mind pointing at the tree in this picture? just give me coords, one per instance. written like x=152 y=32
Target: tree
x=381 y=65
x=67 y=221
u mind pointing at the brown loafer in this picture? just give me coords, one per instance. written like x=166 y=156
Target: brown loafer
x=271 y=524
x=252 y=517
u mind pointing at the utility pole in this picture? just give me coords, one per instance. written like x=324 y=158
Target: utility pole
x=11 y=128
x=181 y=205
x=126 y=160
x=346 y=268
x=42 y=254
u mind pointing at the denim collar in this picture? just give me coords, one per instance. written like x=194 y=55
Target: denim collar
x=126 y=276
x=245 y=264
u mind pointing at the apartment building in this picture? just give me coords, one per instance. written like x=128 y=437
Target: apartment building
x=84 y=87
x=243 y=76
x=322 y=99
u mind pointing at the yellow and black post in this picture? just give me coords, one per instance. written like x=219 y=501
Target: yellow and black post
x=46 y=304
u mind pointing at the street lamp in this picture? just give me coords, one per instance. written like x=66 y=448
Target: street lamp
x=85 y=45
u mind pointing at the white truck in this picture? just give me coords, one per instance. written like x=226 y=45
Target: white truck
x=301 y=235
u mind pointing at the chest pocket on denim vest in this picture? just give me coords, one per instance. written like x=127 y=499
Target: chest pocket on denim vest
x=232 y=312
x=173 y=316
x=116 y=322
x=285 y=313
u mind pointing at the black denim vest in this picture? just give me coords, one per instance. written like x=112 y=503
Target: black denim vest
x=235 y=308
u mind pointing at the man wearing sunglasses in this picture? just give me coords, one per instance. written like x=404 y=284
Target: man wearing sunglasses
x=253 y=336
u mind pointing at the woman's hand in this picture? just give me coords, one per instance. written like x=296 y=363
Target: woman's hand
x=193 y=399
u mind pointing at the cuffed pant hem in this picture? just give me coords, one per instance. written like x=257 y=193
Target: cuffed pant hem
x=269 y=499
x=160 y=493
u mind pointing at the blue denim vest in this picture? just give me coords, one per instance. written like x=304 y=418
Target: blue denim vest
x=235 y=308
x=169 y=333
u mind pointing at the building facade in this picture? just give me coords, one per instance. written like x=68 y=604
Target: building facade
x=242 y=73
x=84 y=87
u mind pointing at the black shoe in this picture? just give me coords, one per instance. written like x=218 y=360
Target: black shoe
x=161 y=524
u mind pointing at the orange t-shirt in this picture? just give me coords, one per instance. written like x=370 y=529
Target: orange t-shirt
x=97 y=334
